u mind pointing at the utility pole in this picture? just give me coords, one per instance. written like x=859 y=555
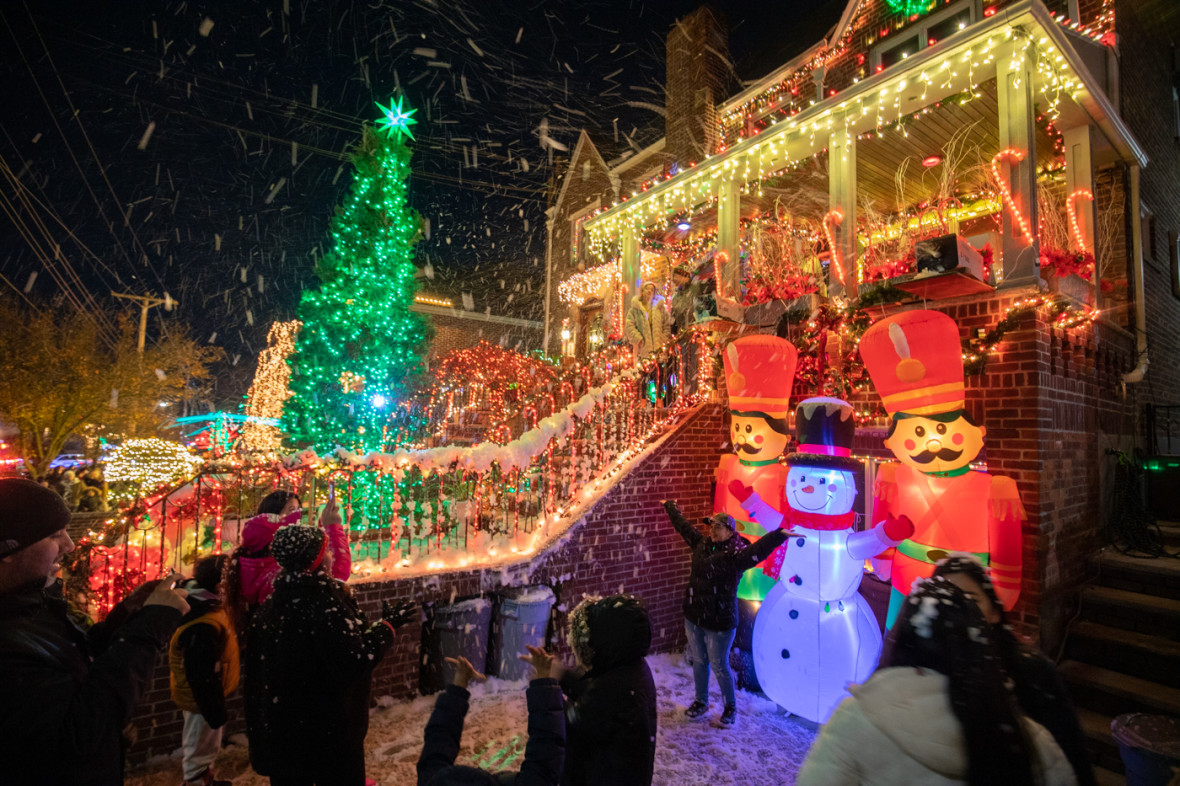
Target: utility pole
x=145 y=302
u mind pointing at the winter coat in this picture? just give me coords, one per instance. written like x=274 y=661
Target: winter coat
x=610 y=716
x=63 y=702
x=899 y=728
x=543 y=753
x=310 y=654
x=684 y=304
x=647 y=328
x=710 y=601
x=258 y=572
x=1042 y=696
x=203 y=660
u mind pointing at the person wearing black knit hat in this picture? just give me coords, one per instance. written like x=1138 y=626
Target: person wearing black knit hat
x=310 y=653
x=64 y=703
x=1039 y=689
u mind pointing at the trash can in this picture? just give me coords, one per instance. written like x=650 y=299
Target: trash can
x=450 y=631
x=1149 y=746
x=523 y=619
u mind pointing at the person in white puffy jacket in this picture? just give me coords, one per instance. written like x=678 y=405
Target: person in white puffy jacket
x=937 y=712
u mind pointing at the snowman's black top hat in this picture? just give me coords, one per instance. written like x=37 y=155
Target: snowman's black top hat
x=824 y=428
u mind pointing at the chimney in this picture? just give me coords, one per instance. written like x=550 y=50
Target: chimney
x=699 y=76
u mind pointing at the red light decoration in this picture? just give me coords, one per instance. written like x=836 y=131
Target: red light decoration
x=930 y=161
x=1074 y=227
x=1006 y=188
x=832 y=219
x=989 y=11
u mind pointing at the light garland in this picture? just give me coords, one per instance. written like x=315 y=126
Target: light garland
x=428 y=300
x=149 y=463
x=269 y=389
x=576 y=289
x=757 y=158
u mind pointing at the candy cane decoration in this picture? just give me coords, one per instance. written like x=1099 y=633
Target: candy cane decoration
x=1006 y=189
x=1074 y=227
x=832 y=219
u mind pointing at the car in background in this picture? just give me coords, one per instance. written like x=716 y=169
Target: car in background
x=69 y=461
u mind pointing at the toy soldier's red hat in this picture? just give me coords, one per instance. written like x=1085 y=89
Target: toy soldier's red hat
x=824 y=428
x=759 y=371
x=916 y=361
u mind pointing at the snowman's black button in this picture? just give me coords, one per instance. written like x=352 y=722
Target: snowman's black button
x=786 y=654
x=800 y=542
x=794 y=614
x=798 y=581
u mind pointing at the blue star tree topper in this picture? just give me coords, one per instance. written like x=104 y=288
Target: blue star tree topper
x=396 y=119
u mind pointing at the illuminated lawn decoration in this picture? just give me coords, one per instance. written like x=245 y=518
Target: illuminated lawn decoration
x=1006 y=187
x=269 y=390
x=358 y=325
x=1072 y=211
x=915 y=359
x=759 y=372
x=140 y=466
x=814 y=633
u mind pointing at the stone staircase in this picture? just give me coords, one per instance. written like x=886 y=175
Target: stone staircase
x=1123 y=652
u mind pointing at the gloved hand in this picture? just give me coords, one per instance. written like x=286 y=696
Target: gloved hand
x=899 y=528
x=399 y=613
x=756 y=508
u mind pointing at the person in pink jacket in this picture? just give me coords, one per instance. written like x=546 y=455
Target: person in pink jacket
x=251 y=571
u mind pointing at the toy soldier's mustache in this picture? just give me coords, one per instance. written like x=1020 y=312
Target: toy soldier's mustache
x=746 y=447
x=946 y=454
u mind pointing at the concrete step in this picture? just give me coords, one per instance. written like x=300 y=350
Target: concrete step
x=1170 y=532
x=1111 y=693
x=1141 y=655
x=1134 y=611
x=1104 y=751
x=1159 y=576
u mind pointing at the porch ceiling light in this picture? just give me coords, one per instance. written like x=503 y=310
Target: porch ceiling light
x=684 y=226
x=930 y=161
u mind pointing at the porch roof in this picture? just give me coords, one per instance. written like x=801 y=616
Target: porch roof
x=958 y=63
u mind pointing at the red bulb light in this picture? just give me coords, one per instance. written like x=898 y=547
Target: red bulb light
x=930 y=161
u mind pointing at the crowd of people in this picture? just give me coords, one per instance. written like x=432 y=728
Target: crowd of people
x=83 y=488
x=956 y=699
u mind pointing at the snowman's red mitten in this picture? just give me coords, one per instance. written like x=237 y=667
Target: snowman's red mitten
x=898 y=529
x=754 y=505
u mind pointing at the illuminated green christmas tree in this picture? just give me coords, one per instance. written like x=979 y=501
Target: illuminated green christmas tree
x=360 y=342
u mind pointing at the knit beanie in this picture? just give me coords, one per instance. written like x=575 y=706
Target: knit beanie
x=299 y=548
x=28 y=513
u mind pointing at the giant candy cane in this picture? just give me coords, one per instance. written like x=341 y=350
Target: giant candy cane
x=833 y=219
x=1074 y=227
x=1006 y=189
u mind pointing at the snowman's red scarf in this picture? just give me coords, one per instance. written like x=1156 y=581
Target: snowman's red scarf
x=799 y=518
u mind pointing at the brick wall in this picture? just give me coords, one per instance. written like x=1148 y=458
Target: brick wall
x=625 y=544
x=697 y=78
x=1146 y=104
x=451 y=333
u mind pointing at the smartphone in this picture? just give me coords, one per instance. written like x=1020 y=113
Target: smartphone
x=331 y=491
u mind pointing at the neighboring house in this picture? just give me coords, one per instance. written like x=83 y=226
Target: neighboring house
x=1039 y=128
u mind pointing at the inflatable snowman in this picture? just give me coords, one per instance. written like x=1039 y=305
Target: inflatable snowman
x=814 y=633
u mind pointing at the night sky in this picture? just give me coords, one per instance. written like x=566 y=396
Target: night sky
x=222 y=129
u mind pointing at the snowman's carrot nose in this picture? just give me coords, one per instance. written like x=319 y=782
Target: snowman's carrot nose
x=809 y=489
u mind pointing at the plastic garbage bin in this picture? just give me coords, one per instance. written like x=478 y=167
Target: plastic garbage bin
x=457 y=629
x=1149 y=746
x=523 y=619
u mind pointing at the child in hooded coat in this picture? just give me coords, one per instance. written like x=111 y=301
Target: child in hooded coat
x=310 y=653
x=611 y=699
x=250 y=575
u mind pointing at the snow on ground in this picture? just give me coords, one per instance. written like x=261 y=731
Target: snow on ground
x=765 y=741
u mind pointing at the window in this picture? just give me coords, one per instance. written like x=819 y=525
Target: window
x=1147 y=234
x=923 y=33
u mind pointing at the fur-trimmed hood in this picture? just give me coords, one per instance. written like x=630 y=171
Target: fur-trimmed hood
x=608 y=632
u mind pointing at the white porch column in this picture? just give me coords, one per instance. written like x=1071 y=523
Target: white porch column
x=629 y=264
x=1017 y=121
x=729 y=203
x=841 y=219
